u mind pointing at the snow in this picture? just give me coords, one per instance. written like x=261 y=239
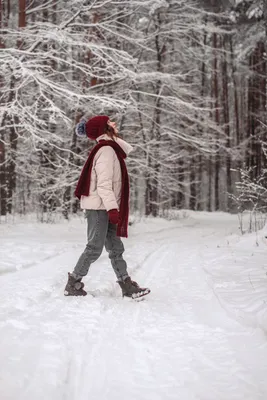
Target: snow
x=199 y=335
x=158 y=5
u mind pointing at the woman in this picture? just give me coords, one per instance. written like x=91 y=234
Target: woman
x=103 y=189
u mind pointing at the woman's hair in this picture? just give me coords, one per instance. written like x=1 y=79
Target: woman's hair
x=111 y=132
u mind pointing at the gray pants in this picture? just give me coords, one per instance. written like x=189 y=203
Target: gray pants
x=100 y=233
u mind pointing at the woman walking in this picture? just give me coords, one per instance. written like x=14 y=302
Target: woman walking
x=103 y=190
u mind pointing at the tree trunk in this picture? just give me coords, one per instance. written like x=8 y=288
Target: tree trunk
x=3 y=191
x=236 y=103
x=156 y=125
x=215 y=89
x=193 y=186
x=22 y=13
x=11 y=167
x=204 y=90
x=256 y=110
x=225 y=101
x=3 y=194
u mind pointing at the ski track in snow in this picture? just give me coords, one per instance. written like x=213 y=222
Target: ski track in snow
x=199 y=335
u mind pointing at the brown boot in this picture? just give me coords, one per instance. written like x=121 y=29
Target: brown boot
x=131 y=289
x=74 y=287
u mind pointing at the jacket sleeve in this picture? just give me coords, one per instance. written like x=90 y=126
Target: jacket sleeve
x=104 y=168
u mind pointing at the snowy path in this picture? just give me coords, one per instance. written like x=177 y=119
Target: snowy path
x=187 y=341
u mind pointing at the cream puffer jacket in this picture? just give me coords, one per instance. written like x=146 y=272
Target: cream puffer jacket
x=105 y=183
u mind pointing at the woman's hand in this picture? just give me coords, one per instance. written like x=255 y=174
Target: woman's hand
x=113 y=216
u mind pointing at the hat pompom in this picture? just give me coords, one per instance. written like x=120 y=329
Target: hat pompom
x=81 y=129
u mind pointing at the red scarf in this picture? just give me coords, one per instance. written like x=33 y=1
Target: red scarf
x=83 y=186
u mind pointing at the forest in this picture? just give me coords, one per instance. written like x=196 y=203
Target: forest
x=185 y=80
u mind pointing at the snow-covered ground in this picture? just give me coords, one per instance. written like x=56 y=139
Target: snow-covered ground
x=200 y=335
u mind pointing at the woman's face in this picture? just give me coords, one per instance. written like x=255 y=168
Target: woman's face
x=114 y=126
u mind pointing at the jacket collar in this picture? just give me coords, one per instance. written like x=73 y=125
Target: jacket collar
x=126 y=147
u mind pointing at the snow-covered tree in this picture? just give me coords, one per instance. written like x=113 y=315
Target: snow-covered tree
x=134 y=63
x=185 y=81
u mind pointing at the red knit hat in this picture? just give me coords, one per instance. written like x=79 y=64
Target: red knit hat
x=96 y=126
